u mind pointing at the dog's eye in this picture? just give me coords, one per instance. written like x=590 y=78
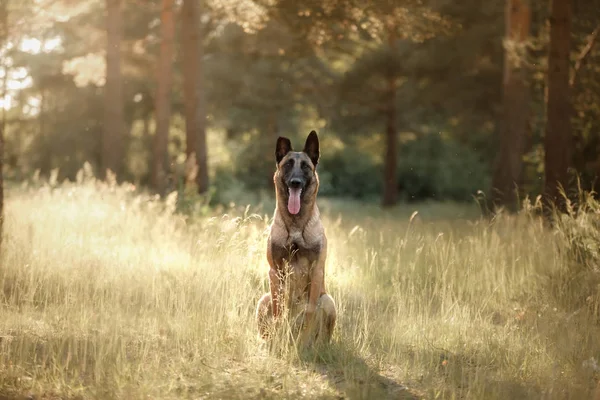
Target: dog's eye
x=304 y=165
x=289 y=163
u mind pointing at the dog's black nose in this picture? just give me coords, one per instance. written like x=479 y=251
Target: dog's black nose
x=295 y=183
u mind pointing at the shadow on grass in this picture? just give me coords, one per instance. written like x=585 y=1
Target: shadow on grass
x=351 y=375
x=476 y=375
x=443 y=375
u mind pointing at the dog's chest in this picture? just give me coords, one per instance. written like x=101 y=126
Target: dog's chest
x=301 y=256
x=299 y=277
x=300 y=246
x=295 y=239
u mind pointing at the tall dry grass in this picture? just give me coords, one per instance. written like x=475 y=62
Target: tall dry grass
x=108 y=293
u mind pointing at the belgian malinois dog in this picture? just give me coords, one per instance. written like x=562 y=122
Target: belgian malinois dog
x=297 y=249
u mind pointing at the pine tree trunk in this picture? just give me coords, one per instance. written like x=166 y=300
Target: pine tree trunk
x=273 y=134
x=112 y=140
x=189 y=22
x=201 y=146
x=163 y=96
x=195 y=110
x=390 y=184
x=3 y=41
x=558 y=138
x=509 y=164
x=45 y=159
x=2 y=135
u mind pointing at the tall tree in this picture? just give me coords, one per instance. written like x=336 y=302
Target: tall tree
x=558 y=137
x=277 y=80
x=372 y=85
x=193 y=87
x=163 y=96
x=509 y=162
x=390 y=182
x=3 y=42
x=112 y=140
x=389 y=51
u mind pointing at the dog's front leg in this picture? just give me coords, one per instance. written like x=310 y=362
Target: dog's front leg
x=315 y=291
x=275 y=288
x=317 y=285
x=275 y=254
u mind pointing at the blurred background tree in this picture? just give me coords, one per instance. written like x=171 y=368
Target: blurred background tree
x=164 y=80
x=112 y=140
x=513 y=127
x=413 y=100
x=4 y=33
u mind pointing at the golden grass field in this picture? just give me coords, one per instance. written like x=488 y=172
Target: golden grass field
x=110 y=294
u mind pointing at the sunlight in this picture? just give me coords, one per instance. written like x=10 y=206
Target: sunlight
x=31 y=45
x=35 y=46
x=52 y=44
x=19 y=84
x=89 y=69
x=18 y=73
x=18 y=79
x=159 y=190
x=6 y=102
x=32 y=108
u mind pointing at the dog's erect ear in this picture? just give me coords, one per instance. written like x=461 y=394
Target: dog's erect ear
x=311 y=147
x=283 y=147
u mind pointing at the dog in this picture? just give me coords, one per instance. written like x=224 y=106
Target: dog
x=297 y=249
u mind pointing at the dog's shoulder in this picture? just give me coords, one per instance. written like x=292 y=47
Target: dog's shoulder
x=313 y=232
x=278 y=230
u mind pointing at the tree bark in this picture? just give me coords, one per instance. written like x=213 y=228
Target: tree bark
x=509 y=162
x=112 y=141
x=3 y=40
x=273 y=134
x=390 y=182
x=163 y=96
x=195 y=110
x=558 y=138
x=45 y=159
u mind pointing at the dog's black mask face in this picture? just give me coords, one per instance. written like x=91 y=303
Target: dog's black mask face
x=297 y=169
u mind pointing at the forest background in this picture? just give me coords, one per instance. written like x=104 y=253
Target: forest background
x=413 y=100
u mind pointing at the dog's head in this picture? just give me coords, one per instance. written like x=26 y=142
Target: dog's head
x=296 y=177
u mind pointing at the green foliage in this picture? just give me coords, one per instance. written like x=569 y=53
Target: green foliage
x=254 y=160
x=334 y=58
x=429 y=167
x=440 y=168
x=349 y=172
x=189 y=202
x=228 y=187
x=584 y=90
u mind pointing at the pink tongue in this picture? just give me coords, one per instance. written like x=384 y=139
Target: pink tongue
x=294 y=201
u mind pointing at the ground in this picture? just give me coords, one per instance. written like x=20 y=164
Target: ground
x=106 y=293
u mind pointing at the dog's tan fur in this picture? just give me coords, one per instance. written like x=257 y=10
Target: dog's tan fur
x=297 y=248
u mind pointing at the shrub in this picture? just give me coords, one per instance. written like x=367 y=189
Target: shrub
x=349 y=173
x=430 y=167
x=435 y=167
